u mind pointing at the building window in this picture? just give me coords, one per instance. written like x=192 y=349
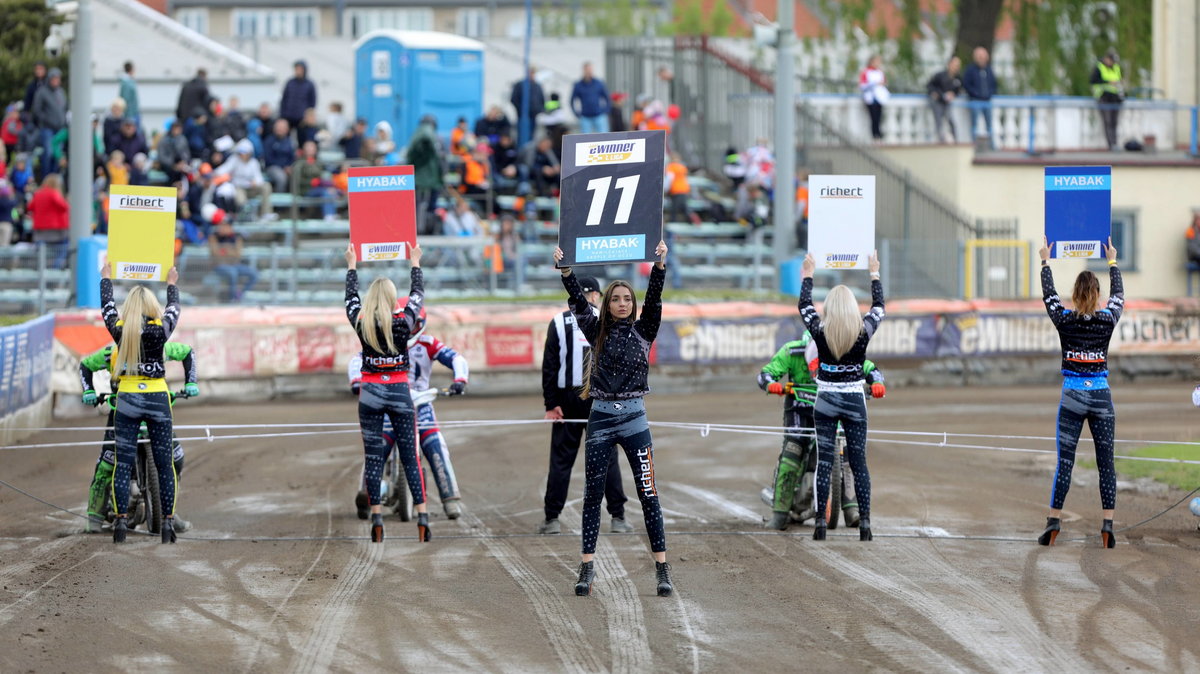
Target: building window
x=1124 y=238
x=195 y=18
x=516 y=28
x=363 y=21
x=472 y=23
x=275 y=23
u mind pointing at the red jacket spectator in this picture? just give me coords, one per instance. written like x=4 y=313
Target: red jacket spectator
x=48 y=207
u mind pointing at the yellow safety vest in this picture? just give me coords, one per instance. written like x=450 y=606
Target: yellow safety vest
x=1110 y=76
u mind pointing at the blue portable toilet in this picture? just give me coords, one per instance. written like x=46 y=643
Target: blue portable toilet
x=403 y=75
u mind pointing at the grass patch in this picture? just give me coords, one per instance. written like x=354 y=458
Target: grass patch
x=15 y=320
x=1178 y=475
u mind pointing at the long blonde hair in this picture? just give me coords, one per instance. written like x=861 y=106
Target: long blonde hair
x=841 y=320
x=376 y=315
x=606 y=322
x=140 y=306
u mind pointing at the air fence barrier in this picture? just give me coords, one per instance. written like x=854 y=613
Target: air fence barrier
x=27 y=357
x=259 y=353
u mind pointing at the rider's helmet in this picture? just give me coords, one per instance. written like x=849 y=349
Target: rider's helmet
x=419 y=328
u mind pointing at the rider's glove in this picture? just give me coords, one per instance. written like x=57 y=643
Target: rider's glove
x=775 y=388
x=458 y=388
x=191 y=389
x=89 y=397
x=878 y=390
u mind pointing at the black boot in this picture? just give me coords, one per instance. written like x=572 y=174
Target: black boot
x=864 y=529
x=168 y=530
x=120 y=528
x=362 y=507
x=819 y=528
x=1053 y=526
x=779 y=520
x=1106 y=535
x=583 y=586
x=423 y=533
x=377 y=527
x=663 y=571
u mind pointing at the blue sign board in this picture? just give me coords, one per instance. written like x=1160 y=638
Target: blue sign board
x=1078 y=210
x=26 y=359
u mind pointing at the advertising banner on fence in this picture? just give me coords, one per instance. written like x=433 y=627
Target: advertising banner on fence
x=383 y=214
x=611 y=197
x=841 y=220
x=26 y=361
x=141 y=232
x=1078 y=210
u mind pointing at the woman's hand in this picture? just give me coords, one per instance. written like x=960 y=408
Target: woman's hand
x=558 y=256
x=1044 y=251
x=873 y=263
x=106 y=270
x=173 y=276
x=1110 y=252
x=661 y=251
x=351 y=257
x=809 y=266
x=414 y=255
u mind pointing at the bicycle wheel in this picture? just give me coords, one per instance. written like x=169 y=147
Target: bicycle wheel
x=833 y=506
x=151 y=498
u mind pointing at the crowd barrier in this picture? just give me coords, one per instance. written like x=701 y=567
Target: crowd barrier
x=26 y=363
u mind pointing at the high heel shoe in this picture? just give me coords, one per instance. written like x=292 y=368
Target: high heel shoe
x=1106 y=535
x=120 y=528
x=1053 y=526
x=423 y=533
x=377 y=527
x=168 y=530
x=819 y=528
x=583 y=586
x=864 y=529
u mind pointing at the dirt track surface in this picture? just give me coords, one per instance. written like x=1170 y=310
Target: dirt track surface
x=486 y=595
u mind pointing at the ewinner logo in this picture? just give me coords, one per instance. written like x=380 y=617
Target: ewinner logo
x=136 y=271
x=834 y=192
x=383 y=251
x=610 y=248
x=1079 y=249
x=841 y=260
x=608 y=152
x=393 y=183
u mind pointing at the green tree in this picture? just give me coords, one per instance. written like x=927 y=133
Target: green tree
x=689 y=18
x=24 y=25
x=720 y=20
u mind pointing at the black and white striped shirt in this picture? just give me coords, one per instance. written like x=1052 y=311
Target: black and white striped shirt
x=563 y=359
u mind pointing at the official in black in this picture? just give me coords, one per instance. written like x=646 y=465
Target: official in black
x=562 y=375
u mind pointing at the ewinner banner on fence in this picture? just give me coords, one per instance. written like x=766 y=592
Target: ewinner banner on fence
x=841 y=220
x=141 y=232
x=383 y=215
x=611 y=197
x=1078 y=210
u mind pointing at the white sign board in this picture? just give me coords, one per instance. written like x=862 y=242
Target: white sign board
x=841 y=220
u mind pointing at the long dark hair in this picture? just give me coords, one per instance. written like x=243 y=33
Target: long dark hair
x=1085 y=298
x=606 y=321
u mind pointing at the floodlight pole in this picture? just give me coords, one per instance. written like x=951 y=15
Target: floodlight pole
x=80 y=148
x=785 y=134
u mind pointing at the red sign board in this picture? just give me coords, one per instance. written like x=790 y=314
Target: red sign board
x=383 y=216
x=508 y=346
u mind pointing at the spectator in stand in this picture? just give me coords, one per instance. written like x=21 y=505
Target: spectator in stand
x=217 y=125
x=639 y=112
x=553 y=121
x=734 y=167
x=541 y=165
x=128 y=91
x=309 y=128
x=426 y=161
x=351 y=141
x=1109 y=92
x=616 y=118
x=590 y=103
x=384 y=144
x=493 y=125
x=118 y=170
x=10 y=129
x=760 y=164
x=980 y=84
x=130 y=140
x=461 y=140
x=537 y=103
x=21 y=175
x=50 y=117
x=278 y=155
x=139 y=170
x=111 y=127
x=802 y=200
x=313 y=180
x=299 y=94
x=504 y=164
x=245 y=178
x=943 y=88
x=259 y=127
x=192 y=95
x=174 y=154
x=678 y=190
x=225 y=250
x=510 y=245
x=38 y=81
x=476 y=172
x=336 y=123
x=51 y=218
x=1193 y=250
x=753 y=207
x=235 y=119
x=873 y=86
x=462 y=221
x=8 y=205
x=196 y=130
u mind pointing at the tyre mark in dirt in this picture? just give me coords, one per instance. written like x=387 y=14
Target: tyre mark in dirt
x=9 y=611
x=318 y=651
x=566 y=635
x=38 y=555
x=711 y=498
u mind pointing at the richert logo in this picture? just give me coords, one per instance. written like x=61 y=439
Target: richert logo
x=129 y=202
x=131 y=271
x=606 y=153
x=383 y=251
x=647 y=471
x=1078 y=249
x=833 y=192
x=841 y=260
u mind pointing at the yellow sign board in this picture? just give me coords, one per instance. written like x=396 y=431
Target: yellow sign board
x=141 y=232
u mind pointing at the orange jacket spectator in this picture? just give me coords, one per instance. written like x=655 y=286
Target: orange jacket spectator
x=475 y=176
x=49 y=208
x=802 y=198
x=679 y=178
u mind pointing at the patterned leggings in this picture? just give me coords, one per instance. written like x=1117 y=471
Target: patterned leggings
x=850 y=409
x=1097 y=408
x=609 y=424
x=394 y=401
x=132 y=410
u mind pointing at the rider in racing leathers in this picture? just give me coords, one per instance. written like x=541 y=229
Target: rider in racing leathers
x=103 y=475
x=423 y=350
x=795 y=362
